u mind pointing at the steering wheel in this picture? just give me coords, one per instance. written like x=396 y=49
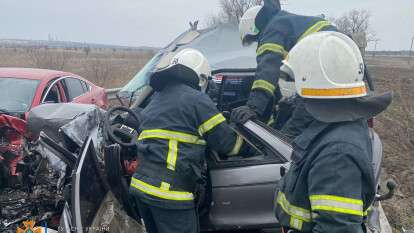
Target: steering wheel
x=118 y=132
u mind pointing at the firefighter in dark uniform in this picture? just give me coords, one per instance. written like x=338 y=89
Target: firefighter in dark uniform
x=276 y=32
x=176 y=127
x=330 y=184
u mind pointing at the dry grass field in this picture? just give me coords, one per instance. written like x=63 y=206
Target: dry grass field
x=396 y=129
x=108 y=68
x=113 y=68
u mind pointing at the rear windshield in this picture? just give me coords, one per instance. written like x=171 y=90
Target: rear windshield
x=16 y=95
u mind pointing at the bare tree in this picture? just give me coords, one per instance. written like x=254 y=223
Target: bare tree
x=46 y=58
x=100 y=70
x=231 y=11
x=87 y=50
x=215 y=19
x=356 y=22
x=234 y=9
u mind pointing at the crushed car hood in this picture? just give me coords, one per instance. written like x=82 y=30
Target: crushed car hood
x=62 y=121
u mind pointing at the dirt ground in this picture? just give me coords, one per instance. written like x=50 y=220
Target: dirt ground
x=111 y=68
x=396 y=129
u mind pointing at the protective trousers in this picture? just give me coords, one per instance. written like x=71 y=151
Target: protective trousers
x=160 y=220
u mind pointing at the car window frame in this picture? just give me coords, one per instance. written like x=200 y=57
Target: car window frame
x=49 y=87
x=274 y=143
x=59 y=93
x=65 y=87
x=86 y=86
x=272 y=138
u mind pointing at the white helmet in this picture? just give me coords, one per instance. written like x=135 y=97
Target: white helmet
x=326 y=65
x=188 y=65
x=247 y=26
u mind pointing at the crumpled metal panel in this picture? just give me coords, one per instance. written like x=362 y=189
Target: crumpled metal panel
x=54 y=163
x=74 y=121
x=13 y=122
x=83 y=125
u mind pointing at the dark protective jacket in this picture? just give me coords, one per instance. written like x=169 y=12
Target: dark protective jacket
x=299 y=120
x=278 y=37
x=330 y=184
x=175 y=129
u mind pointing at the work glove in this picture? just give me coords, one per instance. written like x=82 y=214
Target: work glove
x=242 y=114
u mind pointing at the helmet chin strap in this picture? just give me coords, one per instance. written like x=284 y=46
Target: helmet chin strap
x=203 y=84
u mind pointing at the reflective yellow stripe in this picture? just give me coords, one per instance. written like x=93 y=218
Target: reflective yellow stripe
x=211 y=124
x=337 y=204
x=334 y=92
x=172 y=154
x=293 y=211
x=237 y=146
x=265 y=85
x=296 y=223
x=162 y=192
x=171 y=135
x=315 y=28
x=336 y=198
x=271 y=47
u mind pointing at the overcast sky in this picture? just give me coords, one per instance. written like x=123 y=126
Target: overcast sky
x=156 y=22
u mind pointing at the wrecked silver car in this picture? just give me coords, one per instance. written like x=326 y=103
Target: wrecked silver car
x=88 y=156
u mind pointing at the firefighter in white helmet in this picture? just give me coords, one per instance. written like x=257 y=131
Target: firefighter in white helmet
x=276 y=32
x=175 y=128
x=330 y=184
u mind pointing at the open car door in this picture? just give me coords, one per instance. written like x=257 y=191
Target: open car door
x=88 y=190
x=93 y=207
x=243 y=187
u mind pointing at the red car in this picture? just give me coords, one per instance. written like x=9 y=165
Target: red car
x=22 y=89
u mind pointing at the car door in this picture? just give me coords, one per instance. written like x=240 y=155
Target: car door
x=77 y=91
x=88 y=191
x=243 y=188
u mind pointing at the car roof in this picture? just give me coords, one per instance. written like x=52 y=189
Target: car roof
x=33 y=74
x=223 y=48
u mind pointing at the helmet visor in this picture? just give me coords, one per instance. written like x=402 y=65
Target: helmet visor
x=342 y=110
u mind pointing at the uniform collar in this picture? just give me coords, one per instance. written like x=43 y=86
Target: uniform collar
x=309 y=134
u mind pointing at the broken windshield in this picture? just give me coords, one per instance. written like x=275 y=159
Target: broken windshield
x=17 y=94
x=141 y=79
